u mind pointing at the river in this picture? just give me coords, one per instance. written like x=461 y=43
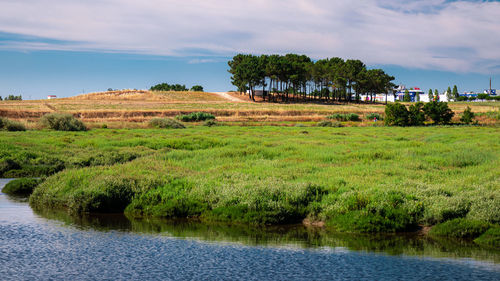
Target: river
x=49 y=245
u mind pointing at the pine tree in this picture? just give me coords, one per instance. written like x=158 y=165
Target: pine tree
x=431 y=96
x=436 y=95
x=455 y=92
x=407 y=97
x=449 y=97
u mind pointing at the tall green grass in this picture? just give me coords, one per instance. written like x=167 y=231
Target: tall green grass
x=376 y=179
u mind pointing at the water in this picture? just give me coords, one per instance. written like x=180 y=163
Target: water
x=46 y=245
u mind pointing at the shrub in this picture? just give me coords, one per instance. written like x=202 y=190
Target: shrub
x=210 y=123
x=10 y=125
x=62 y=122
x=439 y=112
x=460 y=228
x=3 y=122
x=467 y=116
x=197 y=88
x=166 y=123
x=396 y=114
x=372 y=116
x=22 y=186
x=195 y=116
x=14 y=126
x=344 y=117
x=327 y=123
x=416 y=116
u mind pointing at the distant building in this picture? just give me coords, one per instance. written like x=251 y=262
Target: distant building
x=492 y=92
x=49 y=97
x=413 y=92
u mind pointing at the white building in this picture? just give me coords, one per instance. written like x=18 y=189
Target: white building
x=49 y=97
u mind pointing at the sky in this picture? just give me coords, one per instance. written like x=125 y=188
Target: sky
x=68 y=47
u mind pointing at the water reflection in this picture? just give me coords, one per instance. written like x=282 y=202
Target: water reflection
x=299 y=236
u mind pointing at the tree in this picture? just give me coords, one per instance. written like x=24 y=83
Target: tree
x=439 y=112
x=0 y=98
x=455 y=92
x=407 y=97
x=197 y=88
x=417 y=97
x=396 y=114
x=449 y=96
x=416 y=115
x=436 y=95
x=431 y=96
x=467 y=116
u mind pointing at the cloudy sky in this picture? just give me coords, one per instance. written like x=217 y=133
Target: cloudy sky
x=67 y=47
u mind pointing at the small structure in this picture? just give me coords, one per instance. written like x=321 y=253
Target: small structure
x=49 y=97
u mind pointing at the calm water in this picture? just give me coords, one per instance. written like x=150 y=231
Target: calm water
x=53 y=246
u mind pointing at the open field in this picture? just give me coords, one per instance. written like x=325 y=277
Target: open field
x=132 y=109
x=353 y=179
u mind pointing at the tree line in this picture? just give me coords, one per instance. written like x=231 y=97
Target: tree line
x=298 y=77
x=12 y=97
x=175 y=87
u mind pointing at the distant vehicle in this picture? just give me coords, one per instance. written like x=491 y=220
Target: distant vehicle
x=49 y=97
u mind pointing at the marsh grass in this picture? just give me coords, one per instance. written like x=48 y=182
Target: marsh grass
x=373 y=179
x=21 y=187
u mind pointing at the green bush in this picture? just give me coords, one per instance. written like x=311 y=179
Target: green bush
x=372 y=116
x=467 y=116
x=460 y=228
x=197 y=88
x=166 y=123
x=210 y=123
x=10 y=125
x=416 y=116
x=396 y=114
x=439 y=112
x=195 y=116
x=62 y=122
x=3 y=122
x=21 y=187
x=327 y=123
x=344 y=117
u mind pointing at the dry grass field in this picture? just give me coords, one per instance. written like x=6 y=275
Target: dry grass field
x=133 y=108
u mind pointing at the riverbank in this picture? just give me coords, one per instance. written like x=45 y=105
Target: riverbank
x=377 y=179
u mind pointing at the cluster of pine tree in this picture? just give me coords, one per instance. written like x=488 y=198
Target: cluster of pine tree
x=298 y=77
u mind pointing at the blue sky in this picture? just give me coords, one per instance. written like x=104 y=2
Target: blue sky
x=69 y=47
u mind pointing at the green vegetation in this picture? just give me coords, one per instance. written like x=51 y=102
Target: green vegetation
x=9 y=125
x=210 y=123
x=197 y=88
x=467 y=116
x=21 y=187
x=327 y=123
x=491 y=238
x=195 y=117
x=12 y=97
x=344 y=117
x=439 y=112
x=372 y=116
x=460 y=228
x=297 y=77
x=397 y=114
x=166 y=87
x=375 y=179
x=62 y=122
x=166 y=123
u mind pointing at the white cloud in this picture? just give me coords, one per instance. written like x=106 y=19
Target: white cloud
x=460 y=36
